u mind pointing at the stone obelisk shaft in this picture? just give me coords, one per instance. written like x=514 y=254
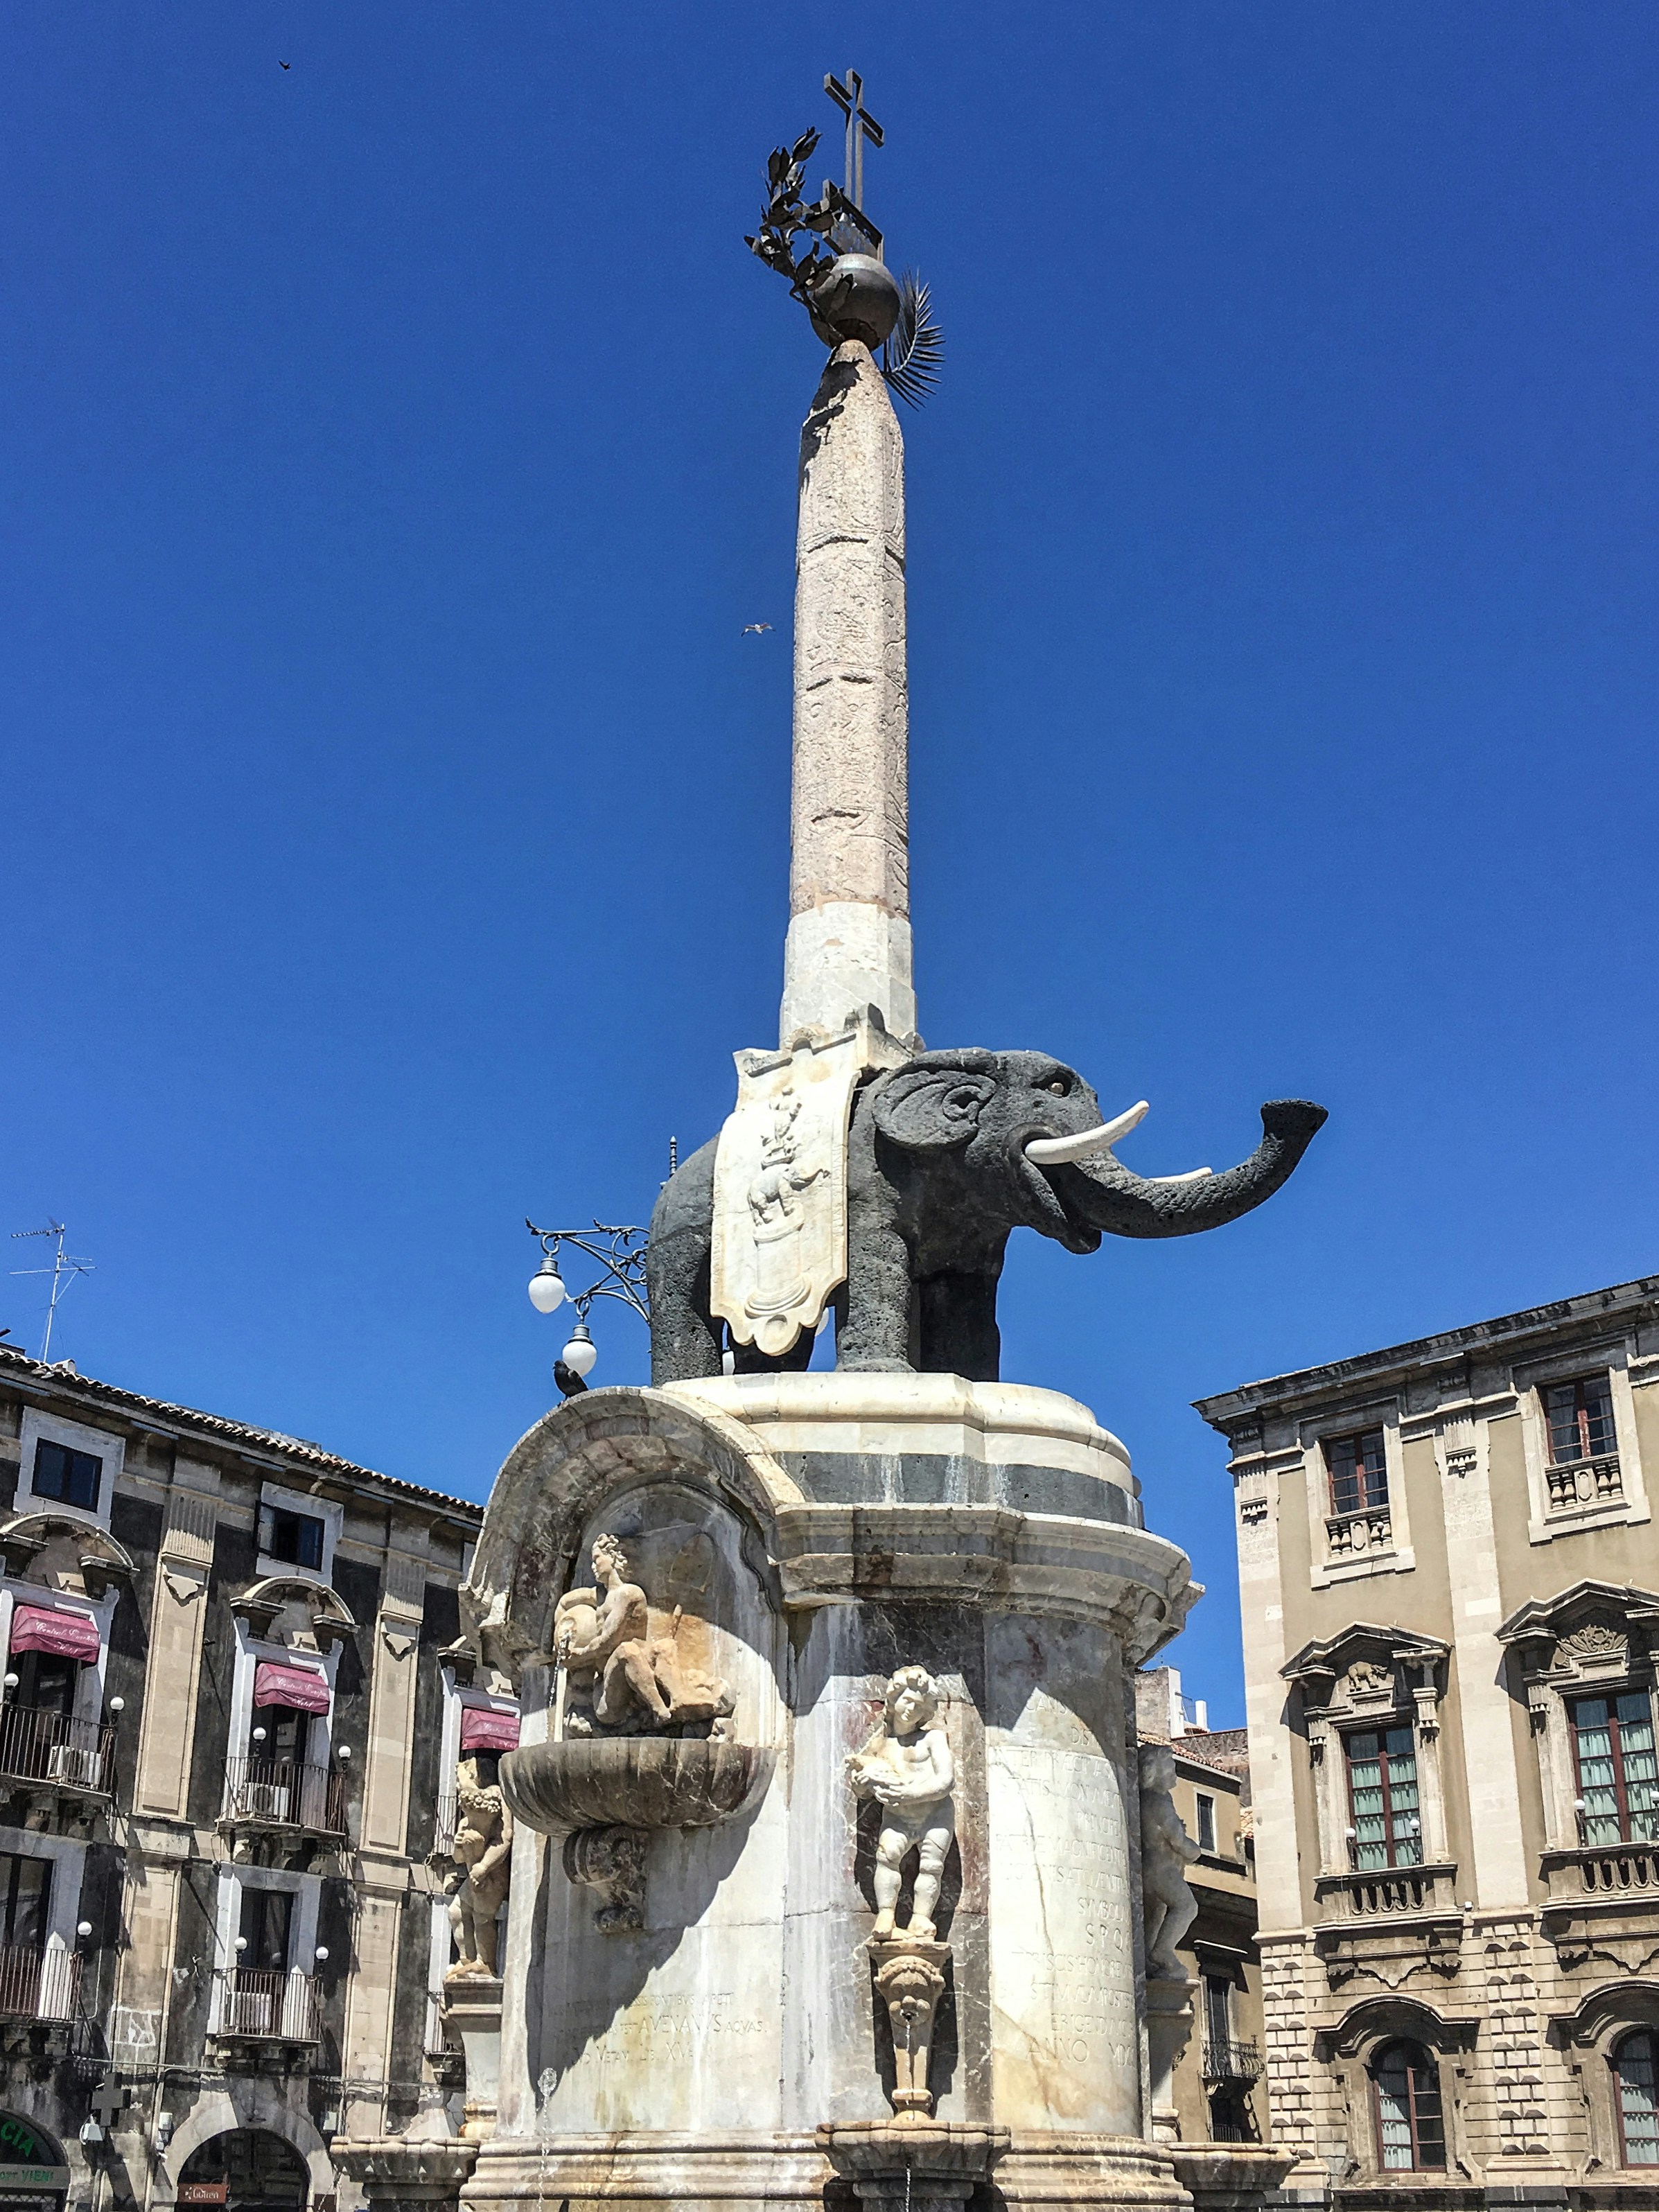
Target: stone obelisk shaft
x=849 y=946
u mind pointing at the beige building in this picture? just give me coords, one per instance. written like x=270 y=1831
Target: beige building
x=1447 y=1571
x=228 y=1726
x=1217 y=2081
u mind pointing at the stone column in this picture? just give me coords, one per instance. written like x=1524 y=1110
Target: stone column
x=848 y=945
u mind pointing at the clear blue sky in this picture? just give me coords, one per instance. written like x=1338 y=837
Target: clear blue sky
x=397 y=443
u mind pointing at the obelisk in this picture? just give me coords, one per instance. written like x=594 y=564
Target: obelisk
x=849 y=946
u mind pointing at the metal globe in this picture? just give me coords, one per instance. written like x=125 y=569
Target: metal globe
x=858 y=299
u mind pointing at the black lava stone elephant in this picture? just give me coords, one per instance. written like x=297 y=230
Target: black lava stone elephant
x=946 y=1155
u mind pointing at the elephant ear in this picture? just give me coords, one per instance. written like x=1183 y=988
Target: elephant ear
x=934 y=1103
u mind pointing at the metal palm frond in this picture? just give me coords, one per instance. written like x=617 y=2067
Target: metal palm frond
x=911 y=358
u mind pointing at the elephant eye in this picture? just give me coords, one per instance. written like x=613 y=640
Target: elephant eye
x=1060 y=1087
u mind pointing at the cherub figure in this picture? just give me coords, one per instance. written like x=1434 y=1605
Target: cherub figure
x=484 y=1851
x=606 y=1631
x=1168 y=1906
x=907 y=1766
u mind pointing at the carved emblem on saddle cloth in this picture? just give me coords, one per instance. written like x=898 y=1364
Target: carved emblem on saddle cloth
x=779 y=1227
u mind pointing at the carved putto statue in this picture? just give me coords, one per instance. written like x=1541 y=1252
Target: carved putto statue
x=1166 y=1851
x=907 y=1766
x=635 y=1683
x=483 y=1850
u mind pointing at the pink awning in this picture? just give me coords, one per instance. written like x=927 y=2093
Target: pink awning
x=482 y=1730
x=47 y=1628
x=301 y=1687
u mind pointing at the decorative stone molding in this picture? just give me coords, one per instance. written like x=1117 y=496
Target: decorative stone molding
x=612 y=1860
x=1370 y=1676
x=1595 y=1493
x=296 y=1610
x=63 y=1549
x=1374 y=1539
x=1592 y=1640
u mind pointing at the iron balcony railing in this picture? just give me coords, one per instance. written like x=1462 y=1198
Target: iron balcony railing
x=37 y=1983
x=1230 y=2062
x=43 y=1747
x=276 y=1793
x=270 y=2005
x=443 y=1826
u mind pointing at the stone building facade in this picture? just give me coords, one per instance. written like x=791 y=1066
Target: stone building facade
x=1448 y=1569
x=227 y=1740
x=1219 y=2096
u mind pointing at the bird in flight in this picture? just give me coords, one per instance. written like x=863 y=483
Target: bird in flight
x=287 y=64
x=754 y=629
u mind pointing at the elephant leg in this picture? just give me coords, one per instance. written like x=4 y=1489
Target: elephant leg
x=959 y=1333
x=876 y=1335
x=685 y=1338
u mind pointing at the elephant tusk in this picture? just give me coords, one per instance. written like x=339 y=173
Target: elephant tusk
x=1047 y=1151
x=1168 y=1182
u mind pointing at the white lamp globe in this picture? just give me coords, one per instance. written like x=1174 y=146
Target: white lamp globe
x=547 y=1290
x=581 y=1353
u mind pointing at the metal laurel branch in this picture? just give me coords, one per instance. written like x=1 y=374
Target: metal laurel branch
x=622 y=1257
x=912 y=357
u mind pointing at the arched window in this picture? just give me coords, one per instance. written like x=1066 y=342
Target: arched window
x=1633 y=2073
x=1410 y=2130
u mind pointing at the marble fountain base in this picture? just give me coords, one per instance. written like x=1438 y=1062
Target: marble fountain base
x=700 y=2009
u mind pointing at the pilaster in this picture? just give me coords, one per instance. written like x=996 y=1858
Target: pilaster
x=177 y=1620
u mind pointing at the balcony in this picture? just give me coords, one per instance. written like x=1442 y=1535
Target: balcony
x=270 y=1793
x=1386 y=1893
x=37 y=1983
x=444 y=1821
x=1350 y=1536
x=1603 y=1871
x=1578 y=1484
x=53 y=1749
x=1231 y=2061
x=258 y=2005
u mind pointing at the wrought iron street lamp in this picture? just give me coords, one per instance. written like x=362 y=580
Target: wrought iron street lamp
x=619 y=1255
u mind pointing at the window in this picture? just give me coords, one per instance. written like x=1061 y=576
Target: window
x=1410 y=2131
x=25 y=1900
x=1218 y=2015
x=1388 y=1826
x=47 y=1681
x=1617 y=1775
x=280 y=1734
x=1633 y=2073
x=1580 y=1417
x=1359 y=1478
x=1206 y=1820
x=295 y=1539
x=263 y=1930
x=72 y=1478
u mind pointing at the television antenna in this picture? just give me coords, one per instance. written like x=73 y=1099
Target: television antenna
x=63 y=1270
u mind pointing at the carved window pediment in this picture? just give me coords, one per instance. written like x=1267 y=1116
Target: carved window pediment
x=1595 y=1633
x=63 y=1550
x=1368 y=1671
x=296 y=1611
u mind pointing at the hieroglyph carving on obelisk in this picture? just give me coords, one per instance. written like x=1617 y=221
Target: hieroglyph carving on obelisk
x=849 y=946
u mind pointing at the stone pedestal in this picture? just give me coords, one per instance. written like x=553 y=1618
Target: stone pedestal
x=1168 y=2031
x=470 y=2011
x=799 y=1538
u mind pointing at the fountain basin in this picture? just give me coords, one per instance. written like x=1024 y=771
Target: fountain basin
x=636 y=1780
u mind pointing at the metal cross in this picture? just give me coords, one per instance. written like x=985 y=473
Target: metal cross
x=109 y=2102
x=861 y=125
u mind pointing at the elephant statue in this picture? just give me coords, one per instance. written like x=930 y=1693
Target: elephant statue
x=946 y=1155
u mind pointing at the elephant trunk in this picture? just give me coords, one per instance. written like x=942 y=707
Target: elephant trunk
x=1098 y=1190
